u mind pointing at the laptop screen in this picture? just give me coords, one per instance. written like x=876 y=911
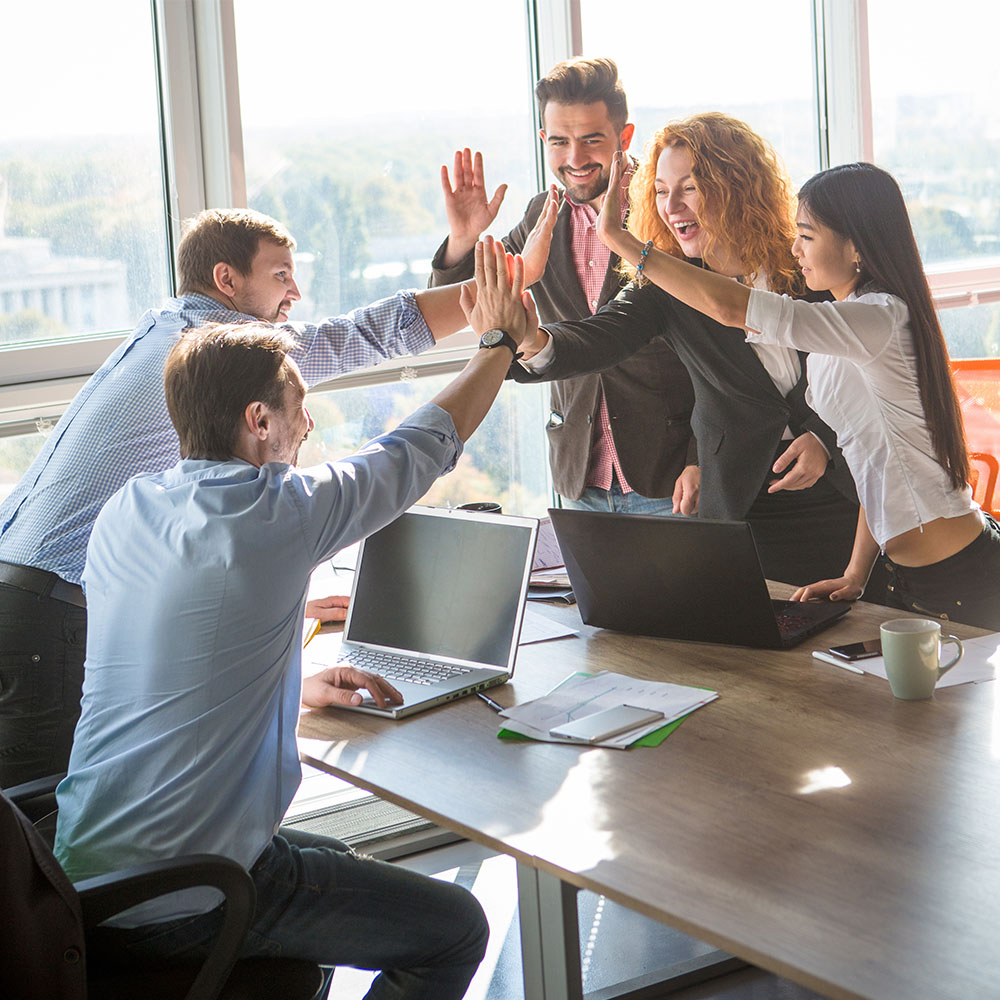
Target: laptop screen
x=444 y=584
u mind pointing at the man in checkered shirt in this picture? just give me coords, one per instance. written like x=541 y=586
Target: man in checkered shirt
x=233 y=265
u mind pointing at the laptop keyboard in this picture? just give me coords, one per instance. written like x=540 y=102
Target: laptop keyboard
x=791 y=624
x=394 y=667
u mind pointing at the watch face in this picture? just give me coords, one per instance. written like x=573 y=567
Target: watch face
x=492 y=337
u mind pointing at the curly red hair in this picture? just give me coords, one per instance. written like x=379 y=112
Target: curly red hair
x=746 y=197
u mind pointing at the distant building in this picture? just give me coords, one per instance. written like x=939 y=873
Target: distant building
x=83 y=293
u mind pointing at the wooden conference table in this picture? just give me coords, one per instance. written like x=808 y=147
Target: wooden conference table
x=807 y=821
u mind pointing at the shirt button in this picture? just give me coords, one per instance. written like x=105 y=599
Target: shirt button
x=593 y=303
x=590 y=263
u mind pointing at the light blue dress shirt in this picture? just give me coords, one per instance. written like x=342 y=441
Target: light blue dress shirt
x=118 y=426
x=196 y=580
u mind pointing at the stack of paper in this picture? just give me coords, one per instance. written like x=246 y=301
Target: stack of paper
x=584 y=694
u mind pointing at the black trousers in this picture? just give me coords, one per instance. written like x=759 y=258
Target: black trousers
x=803 y=535
x=43 y=643
x=963 y=588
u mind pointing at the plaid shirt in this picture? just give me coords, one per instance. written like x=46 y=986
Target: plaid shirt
x=118 y=426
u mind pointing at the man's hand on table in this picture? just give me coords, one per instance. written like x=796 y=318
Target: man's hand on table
x=328 y=609
x=339 y=686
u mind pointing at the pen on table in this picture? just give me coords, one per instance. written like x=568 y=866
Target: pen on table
x=827 y=658
x=489 y=701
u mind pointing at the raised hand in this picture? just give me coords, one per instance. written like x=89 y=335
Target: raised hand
x=500 y=301
x=468 y=210
x=536 y=246
x=609 y=221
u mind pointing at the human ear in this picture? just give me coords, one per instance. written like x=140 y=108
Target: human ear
x=627 y=132
x=223 y=275
x=257 y=419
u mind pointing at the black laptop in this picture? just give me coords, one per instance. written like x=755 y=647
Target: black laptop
x=681 y=578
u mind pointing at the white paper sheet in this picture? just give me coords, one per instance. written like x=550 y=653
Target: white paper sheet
x=581 y=694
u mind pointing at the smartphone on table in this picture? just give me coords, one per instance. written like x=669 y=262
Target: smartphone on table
x=858 y=650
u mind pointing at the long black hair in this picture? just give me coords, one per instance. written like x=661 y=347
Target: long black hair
x=864 y=204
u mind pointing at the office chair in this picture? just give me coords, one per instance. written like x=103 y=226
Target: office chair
x=45 y=919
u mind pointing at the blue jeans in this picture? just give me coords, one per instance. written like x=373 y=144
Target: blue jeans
x=318 y=900
x=613 y=500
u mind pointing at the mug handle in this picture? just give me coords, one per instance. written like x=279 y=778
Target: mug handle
x=944 y=668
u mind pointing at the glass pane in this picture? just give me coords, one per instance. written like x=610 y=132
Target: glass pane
x=504 y=461
x=756 y=68
x=82 y=229
x=349 y=154
x=935 y=78
x=972 y=331
x=17 y=452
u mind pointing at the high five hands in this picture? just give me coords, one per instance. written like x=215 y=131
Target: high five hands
x=500 y=300
x=470 y=213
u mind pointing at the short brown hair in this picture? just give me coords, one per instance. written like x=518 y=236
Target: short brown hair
x=213 y=373
x=223 y=235
x=584 y=81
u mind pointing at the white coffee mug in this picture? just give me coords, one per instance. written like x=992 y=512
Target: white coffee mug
x=911 y=650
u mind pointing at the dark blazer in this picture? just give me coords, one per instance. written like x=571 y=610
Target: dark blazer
x=649 y=393
x=739 y=415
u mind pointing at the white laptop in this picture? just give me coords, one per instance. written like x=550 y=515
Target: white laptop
x=437 y=604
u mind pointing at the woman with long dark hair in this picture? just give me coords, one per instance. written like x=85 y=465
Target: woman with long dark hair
x=878 y=374
x=709 y=189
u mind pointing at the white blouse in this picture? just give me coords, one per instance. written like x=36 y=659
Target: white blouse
x=862 y=374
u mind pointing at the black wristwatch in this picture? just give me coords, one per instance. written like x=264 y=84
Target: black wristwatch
x=497 y=338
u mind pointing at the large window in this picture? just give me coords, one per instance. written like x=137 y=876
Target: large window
x=346 y=144
x=751 y=62
x=344 y=137
x=82 y=232
x=350 y=159
x=503 y=461
x=934 y=87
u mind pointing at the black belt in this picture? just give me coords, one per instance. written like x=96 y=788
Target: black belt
x=42 y=582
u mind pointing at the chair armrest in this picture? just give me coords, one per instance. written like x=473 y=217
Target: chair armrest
x=104 y=896
x=36 y=799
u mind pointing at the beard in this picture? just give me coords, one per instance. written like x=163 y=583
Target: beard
x=585 y=192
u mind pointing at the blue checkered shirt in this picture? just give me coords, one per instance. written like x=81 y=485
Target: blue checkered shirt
x=118 y=426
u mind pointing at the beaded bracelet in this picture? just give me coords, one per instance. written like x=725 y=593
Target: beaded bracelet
x=642 y=262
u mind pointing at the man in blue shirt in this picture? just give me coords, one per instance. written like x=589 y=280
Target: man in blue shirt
x=196 y=581
x=234 y=265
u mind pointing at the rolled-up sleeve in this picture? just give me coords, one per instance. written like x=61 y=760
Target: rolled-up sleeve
x=390 y=328
x=858 y=330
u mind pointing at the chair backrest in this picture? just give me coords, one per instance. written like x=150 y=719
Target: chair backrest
x=978 y=383
x=41 y=924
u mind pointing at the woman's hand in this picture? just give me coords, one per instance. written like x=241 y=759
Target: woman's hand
x=844 y=588
x=609 y=221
